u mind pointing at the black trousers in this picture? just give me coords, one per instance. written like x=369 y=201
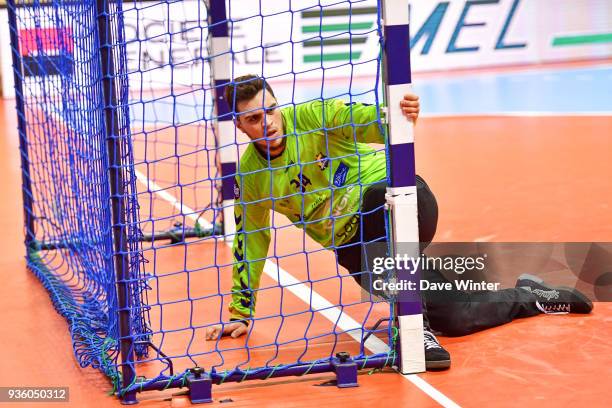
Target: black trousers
x=452 y=313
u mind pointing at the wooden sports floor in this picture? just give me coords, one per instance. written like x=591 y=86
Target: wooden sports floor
x=524 y=178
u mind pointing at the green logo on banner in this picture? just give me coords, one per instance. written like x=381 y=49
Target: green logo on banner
x=337 y=34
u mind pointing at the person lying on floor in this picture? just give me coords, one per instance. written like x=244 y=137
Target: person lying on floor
x=312 y=163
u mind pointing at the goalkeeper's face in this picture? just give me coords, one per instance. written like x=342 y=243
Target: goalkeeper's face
x=261 y=119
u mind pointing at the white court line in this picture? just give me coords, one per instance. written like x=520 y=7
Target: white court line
x=485 y=238
x=183 y=209
x=318 y=303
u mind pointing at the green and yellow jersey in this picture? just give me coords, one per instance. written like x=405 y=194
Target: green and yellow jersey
x=316 y=182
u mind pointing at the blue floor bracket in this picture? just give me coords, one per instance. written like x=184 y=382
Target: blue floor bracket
x=346 y=370
x=200 y=386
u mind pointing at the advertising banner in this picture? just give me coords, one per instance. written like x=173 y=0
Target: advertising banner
x=166 y=42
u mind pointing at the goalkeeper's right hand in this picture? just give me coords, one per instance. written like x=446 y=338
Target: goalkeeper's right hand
x=233 y=329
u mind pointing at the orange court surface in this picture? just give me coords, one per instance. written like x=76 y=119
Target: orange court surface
x=503 y=177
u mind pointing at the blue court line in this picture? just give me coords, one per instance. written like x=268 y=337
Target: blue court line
x=583 y=90
x=555 y=91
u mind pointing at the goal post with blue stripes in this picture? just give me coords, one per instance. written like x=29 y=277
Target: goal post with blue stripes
x=129 y=156
x=402 y=194
x=221 y=77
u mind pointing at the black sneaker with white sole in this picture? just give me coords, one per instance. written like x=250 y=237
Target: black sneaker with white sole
x=436 y=357
x=555 y=299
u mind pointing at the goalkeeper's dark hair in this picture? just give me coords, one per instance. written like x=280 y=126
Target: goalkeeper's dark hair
x=244 y=88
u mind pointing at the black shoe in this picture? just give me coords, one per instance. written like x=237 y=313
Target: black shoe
x=436 y=357
x=555 y=299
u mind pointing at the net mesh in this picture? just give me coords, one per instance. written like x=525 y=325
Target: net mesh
x=64 y=142
x=164 y=122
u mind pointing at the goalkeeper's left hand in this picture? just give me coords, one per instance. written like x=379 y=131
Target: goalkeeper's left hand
x=233 y=329
x=410 y=107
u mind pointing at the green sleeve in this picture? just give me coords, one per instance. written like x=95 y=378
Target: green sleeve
x=356 y=118
x=250 y=250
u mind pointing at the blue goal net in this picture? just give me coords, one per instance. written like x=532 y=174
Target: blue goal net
x=193 y=165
